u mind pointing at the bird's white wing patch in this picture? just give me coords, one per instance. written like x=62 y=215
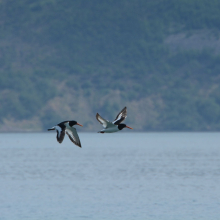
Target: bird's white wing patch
x=73 y=136
x=121 y=116
x=59 y=130
x=103 y=122
x=60 y=134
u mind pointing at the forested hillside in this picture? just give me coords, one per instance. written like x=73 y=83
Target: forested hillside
x=70 y=59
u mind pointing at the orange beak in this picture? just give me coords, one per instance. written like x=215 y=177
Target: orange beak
x=128 y=127
x=79 y=124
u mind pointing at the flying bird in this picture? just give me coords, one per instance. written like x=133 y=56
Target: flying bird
x=110 y=127
x=67 y=127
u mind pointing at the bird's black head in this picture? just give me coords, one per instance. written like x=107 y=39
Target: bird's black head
x=72 y=123
x=121 y=126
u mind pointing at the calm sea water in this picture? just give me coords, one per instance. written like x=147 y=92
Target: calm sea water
x=121 y=176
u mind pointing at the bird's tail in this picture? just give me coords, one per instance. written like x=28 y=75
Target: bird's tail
x=50 y=129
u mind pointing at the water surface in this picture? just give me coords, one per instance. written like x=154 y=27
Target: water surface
x=121 y=176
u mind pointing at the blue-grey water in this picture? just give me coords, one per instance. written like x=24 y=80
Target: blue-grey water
x=121 y=176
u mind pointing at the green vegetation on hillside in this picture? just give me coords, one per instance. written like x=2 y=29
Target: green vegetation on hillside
x=68 y=58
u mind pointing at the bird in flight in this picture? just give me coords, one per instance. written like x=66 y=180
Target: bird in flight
x=110 y=127
x=67 y=127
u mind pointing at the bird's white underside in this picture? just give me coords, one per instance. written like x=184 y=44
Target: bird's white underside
x=111 y=129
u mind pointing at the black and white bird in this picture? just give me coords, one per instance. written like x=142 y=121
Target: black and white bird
x=67 y=127
x=110 y=127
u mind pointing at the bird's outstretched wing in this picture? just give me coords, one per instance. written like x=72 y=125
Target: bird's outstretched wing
x=121 y=116
x=60 y=134
x=73 y=136
x=103 y=122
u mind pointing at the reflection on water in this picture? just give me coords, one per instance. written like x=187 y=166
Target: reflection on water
x=124 y=176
